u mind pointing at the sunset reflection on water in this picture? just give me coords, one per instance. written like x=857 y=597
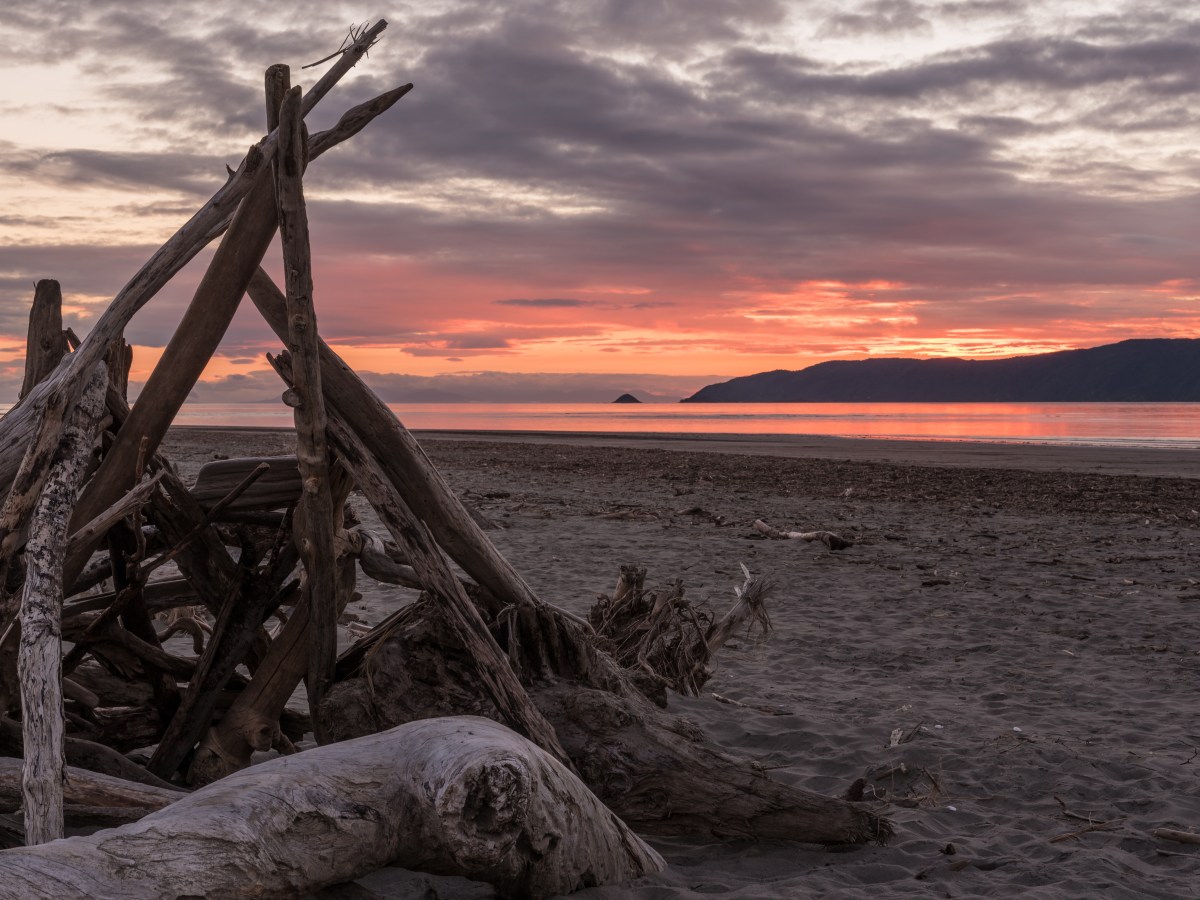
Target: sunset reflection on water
x=1125 y=424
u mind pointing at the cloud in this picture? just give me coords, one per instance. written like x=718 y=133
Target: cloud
x=546 y=303
x=878 y=17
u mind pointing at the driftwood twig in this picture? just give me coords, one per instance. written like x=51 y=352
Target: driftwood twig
x=828 y=538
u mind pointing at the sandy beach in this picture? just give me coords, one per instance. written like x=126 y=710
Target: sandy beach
x=1008 y=655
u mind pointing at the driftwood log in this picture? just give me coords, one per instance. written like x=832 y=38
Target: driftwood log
x=654 y=770
x=828 y=538
x=461 y=796
x=90 y=798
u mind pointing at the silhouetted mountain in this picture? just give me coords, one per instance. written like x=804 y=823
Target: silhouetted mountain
x=627 y=398
x=1153 y=370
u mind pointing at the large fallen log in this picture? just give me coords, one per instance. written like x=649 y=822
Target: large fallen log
x=654 y=770
x=454 y=796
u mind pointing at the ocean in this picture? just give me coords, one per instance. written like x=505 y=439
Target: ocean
x=1171 y=425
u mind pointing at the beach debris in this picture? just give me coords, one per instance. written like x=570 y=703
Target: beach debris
x=757 y=707
x=828 y=538
x=1093 y=823
x=665 y=636
x=1180 y=837
x=903 y=735
x=899 y=784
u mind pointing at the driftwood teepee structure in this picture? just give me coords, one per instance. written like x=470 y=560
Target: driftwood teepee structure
x=90 y=498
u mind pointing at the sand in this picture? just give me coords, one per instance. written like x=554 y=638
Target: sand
x=1026 y=621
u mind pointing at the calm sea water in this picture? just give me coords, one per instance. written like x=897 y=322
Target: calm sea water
x=1174 y=425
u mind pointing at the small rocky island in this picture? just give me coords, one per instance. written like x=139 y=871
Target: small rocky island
x=627 y=398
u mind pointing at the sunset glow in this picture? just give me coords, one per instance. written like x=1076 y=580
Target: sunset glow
x=674 y=192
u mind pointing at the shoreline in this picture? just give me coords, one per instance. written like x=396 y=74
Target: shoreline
x=1157 y=462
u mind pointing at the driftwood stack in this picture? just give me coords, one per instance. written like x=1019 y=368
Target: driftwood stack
x=99 y=539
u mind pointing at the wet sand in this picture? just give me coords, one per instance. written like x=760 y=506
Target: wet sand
x=1024 y=616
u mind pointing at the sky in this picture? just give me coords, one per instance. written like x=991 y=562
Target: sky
x=583 y=198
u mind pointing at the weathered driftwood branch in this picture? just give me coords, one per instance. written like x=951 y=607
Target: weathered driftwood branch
x=233 y=635
x=664 y=640
x=314 y=527
x=828 y=538
x=119 y=360
x=46 y=342
x=462 y=796
x=1180 y=837
x=133 y=500
x=750 y=608
x=405 y=464
x=380 y=563
x=202 y=526
x=82 y=753
x=86 y=794
x=31 y=474
x=252 y=721
x=196 y=232
x=159 y=596
x=353 y=121
x=131 y=595
x=202 y=558
x=495 y=671
x=40 y=658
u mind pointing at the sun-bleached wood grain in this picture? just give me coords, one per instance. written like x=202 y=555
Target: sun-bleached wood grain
x=462 y=795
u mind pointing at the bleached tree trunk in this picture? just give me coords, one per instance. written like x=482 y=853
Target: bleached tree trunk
x=40 y=659
x=460 y=795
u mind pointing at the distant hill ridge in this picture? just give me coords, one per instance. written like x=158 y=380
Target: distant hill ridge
x=1155 y=370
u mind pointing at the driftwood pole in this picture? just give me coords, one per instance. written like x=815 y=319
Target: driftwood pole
x=14 y=522
x=418 y=481
x=494 y=668
x=40 y=661
x=314 y=514
x=46 y=343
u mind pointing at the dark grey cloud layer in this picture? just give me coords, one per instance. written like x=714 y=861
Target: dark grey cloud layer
x=695 y=149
